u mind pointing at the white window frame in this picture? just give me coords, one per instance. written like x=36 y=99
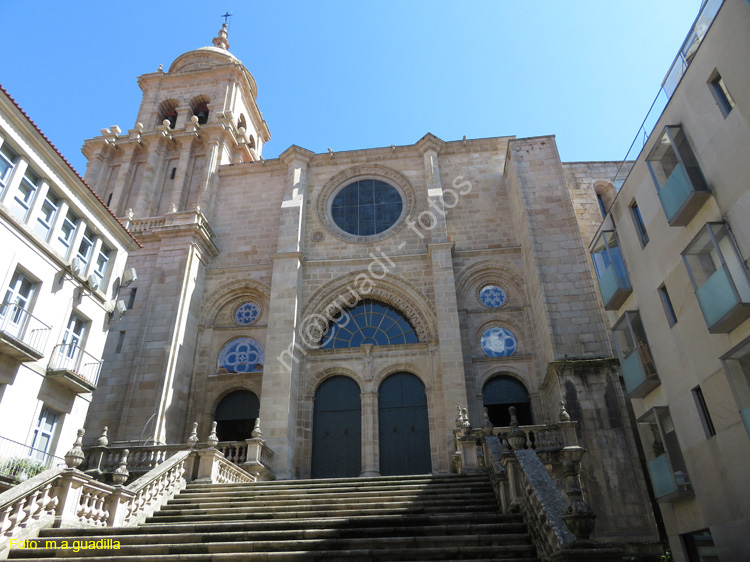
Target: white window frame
x=25 y=193
x=45 y=219
x=16 y=302
x=6 y=158
x=47 y=417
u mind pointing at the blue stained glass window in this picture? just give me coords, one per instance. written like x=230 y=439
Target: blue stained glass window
x=247 y=313
x=369 y=321
x=492 y=296
x=498 y=342
x=241 y=355
x=366 y=207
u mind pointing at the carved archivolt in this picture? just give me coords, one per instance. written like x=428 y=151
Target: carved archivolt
x=482 y=273
x=234 y=290
x=349 y=289
x=376 y=171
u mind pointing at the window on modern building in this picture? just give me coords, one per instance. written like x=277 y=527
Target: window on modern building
x=369 y=321
x=679 y=181
x=102 y=262
x=737 y=367
x=47 y=215
x=640 y=226
x=43 y=436
x=705 y=415
x=24 y=196
x=666 y=465
x=636 y=362
x=67 y=233
x=699 y=546
x=17 y=304
x=7 y=162
x=120 y=341
x=719 y=277
x=666 y=302
x=131 y=300
x=721 y=93
x=73 y=337
x=85 y=247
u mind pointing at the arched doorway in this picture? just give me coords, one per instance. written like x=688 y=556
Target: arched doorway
x=502 y=392
x=337 y=429
x=404 y=426
x=236 y=414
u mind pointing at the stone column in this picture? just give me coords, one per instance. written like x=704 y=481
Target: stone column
x=147 y=189
x=280 y=388
x=177 y=195
x=452 y=375
x=370 y=434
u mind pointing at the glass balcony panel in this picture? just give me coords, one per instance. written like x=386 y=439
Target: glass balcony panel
x=675 y=192
x=632 y=372
x=717 y=297
x=614 y=284
x=661 y=475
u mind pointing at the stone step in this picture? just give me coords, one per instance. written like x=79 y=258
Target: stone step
x=510 y=521
x=497 y=544
x=356 y=480
x=255 y=503
x=514 y=530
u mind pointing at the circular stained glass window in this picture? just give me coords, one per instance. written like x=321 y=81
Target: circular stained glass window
x=498 y=342
x=366 y=207
x=241 y=355
x=492 y=296
x=247 y=313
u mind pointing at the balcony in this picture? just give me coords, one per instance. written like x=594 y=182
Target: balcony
x=22 y=335
x=666 y=465
x=719 y=277
x=636 y=363
x=73 y=368
x=679 y=181
x=614 y=284
x=19 y=462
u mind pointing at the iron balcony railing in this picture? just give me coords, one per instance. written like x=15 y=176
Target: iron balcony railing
x=72 y=359
x=19 y=462
x=17 y=323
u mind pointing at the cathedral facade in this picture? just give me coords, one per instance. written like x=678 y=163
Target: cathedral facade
x=353 y=300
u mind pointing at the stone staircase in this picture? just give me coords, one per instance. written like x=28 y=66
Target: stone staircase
x=352 y=519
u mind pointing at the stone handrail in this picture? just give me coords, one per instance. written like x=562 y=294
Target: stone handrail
x=142 y=458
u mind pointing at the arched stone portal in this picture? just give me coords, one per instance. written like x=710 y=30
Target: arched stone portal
x=236 y=414
x=502 y=392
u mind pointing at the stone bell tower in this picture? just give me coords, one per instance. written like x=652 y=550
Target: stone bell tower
x=161 y=179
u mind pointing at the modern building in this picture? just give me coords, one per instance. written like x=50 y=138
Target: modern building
x=352 y=300
x=671 y=259
x=61 y=264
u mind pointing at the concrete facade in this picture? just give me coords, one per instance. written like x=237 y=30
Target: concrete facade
x=50 y=272
x=689 y=374
x=222 y=227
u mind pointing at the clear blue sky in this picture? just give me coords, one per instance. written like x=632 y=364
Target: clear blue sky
x=351 y=75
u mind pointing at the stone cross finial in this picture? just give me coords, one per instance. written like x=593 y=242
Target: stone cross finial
x=74 y=457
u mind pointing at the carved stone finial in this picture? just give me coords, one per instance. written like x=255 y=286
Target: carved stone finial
x=257 y=433
x=192 y=439
x=578 y=515
x=74 y=457
x=161 y=68
x=516 y=436
x=465 y=419
x=220 y=40
x=103 y=440
x=213 y=439
x=564 y=415
x=487 y=426
x=459 y=417
x=120 y=475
